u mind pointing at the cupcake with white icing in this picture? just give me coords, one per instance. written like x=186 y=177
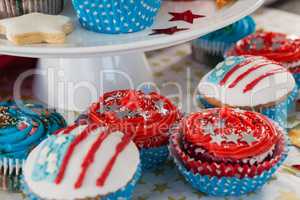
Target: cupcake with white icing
x=83 y=162
x=250 y=82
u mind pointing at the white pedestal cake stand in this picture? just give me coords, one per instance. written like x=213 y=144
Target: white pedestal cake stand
x=74 y=74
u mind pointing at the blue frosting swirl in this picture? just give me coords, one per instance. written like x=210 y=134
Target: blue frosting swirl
x=21 y=129
x=233 y=32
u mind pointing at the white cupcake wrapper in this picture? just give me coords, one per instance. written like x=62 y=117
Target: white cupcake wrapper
x=10 y=166
x=211 y=47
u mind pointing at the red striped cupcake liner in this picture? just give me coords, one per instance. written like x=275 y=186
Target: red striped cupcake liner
x=223 y=169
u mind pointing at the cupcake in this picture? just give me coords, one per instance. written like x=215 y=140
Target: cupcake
x=148 y=117
x=116 y=16
x=274 y=46
x=20 y=132
x=13 y=8
x=250 y=82
x=82 y=162
x=226 y=151
x=216 y=43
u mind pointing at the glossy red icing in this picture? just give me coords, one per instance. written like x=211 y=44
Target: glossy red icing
x=275 y=46
x=236 y=122
x=147 y=131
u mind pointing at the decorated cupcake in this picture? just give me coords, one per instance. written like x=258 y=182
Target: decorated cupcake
x=250 y=82
x=216 y=43
x=20 y=132
x=82 y=162
x=225 y=151
x=13 y=8
x=148 y=117
x=274 y=46
x=115 y=17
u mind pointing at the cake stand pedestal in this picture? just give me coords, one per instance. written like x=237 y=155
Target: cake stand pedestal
x=71 y=76
x=76 y=82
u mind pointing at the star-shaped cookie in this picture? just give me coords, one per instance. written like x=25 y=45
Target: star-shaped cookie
x=36 y=28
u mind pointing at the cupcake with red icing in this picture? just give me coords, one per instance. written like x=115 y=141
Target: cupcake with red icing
x=279 y=47
x=147 y=116
x=225 y=151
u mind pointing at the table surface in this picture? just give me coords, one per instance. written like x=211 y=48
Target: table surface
x=165 y=183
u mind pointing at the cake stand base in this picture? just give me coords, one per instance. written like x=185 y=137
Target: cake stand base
x=74 y=83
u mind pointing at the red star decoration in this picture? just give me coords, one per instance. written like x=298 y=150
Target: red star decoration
x=168 y=31
x=186 y=16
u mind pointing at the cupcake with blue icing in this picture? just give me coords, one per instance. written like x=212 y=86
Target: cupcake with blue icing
x=82 y=162
x=115 y=16
x=216 y=43
x=146 y=115
x=250 y=83
x=20 y=132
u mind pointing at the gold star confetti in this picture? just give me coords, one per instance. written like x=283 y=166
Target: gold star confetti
x=155 y=64
x=181 y=53
x=284 y=195
x=158 y=74
x=161 y=187
x=166 y=60
x=142 y=198
x=177 y=68
x=158 y=171
x=173 y=198
x=274 y=178
x=199 y=194
x=142 y=182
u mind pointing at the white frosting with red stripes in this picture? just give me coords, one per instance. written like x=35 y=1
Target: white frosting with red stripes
x=268 y=89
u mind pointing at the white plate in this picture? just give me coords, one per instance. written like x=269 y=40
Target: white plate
x=82 y=43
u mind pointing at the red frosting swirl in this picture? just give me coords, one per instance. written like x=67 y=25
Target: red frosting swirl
x=275 y=46
x=230 y=133
x=148 y=117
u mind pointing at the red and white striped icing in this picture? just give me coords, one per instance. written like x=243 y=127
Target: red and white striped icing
x=253 y=82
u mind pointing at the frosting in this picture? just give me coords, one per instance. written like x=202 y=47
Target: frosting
x=231 y=133
x=99 y=163
x=275 y=46
x=146 y=115
x=247 y=81
x=20 y=131
x=52 y=24
x=233 y=32
x=36 y=28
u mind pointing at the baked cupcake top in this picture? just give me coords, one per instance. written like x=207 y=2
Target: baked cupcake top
x=20 y=130
x=80 y=162
x=247 y=81
x=231 y=134
x=145 y=115
x=233 y=32
x=275 y=46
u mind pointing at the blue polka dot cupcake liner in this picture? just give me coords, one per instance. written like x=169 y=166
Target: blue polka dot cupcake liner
x=278 y=113
x=116 y=16
x=229 y=186
x=153 y=157
x=123 y=193
x=297 y=78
